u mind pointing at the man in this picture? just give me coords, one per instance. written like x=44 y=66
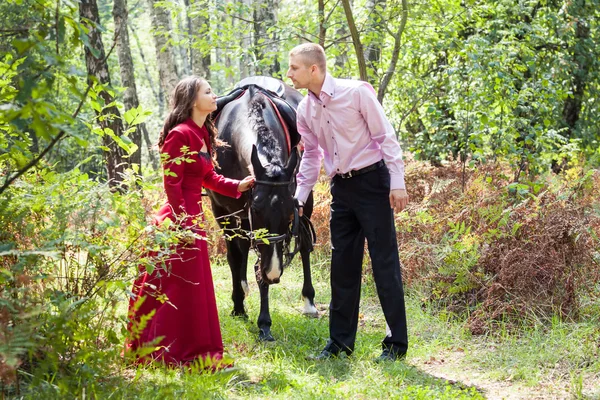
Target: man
x=342 y=121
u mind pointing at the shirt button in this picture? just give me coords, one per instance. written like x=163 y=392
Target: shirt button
x=327 y=121
x=335 y=154
x=323 y=105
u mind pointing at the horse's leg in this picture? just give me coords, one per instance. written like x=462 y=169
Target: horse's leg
x=308 y=291
x=264 y=318
x=237 y=256
x=244 y=246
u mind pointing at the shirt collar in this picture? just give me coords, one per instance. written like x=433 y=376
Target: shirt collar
x=328 y=85
x=328 y=88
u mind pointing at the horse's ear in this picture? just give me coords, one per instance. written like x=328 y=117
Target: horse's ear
x=292 y=163
x=259 y=170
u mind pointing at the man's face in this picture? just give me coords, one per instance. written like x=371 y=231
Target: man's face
x=299 y=72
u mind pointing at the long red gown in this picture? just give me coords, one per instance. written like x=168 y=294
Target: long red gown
x=188 y=322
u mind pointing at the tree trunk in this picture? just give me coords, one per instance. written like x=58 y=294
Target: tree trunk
x=246 y=68
x=373 y=47
x=265 y=17
x=395 y=54
x=167 y=67
x=130 y=98
x=157 y=91
x=181 y=48
x=322 y=28
x=358 y=48
x=582 y=60
x=97 y=68
x=341 y=59
x=197 y=28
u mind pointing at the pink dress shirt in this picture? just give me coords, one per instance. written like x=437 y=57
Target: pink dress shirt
x=347 y=127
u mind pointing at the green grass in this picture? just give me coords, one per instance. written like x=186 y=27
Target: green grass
x=547 y=357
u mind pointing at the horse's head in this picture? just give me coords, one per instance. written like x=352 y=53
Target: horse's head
x=272 y=209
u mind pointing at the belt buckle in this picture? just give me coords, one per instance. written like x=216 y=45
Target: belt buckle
x=350 y=174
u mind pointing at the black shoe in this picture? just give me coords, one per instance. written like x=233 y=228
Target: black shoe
x=324 y=355
x=390 y=355
x=328 y=353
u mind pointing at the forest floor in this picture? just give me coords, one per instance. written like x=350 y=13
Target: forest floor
x=558 y=360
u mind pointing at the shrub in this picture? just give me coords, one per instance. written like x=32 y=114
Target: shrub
x=499 y=250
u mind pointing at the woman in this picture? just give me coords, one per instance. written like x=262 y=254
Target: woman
x=173 y=315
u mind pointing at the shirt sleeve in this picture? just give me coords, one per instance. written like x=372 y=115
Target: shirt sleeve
x=173 y=167
x=220 y=184
x=383 y=133
x=310 y=165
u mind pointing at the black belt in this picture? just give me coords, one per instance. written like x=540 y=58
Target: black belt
x=361 y=171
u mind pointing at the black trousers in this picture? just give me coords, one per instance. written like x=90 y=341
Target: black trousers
x=360 y=209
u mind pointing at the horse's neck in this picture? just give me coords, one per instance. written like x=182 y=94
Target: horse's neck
x=271 y=143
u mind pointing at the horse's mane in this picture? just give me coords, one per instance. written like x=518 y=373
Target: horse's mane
x=266 y=138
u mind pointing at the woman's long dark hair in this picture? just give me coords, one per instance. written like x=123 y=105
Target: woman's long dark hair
x=182 y=103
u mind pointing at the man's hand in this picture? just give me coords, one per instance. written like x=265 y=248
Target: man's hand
x=300 y=207
x=398 y=199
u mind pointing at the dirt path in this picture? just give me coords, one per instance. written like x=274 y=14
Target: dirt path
x=452 y=367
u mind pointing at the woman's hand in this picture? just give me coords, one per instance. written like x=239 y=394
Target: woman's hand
x=246 y=184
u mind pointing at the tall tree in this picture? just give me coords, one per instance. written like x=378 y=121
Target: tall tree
x=109 y=117
x=358 y=47
x=397 y=36
x=246 y=67
x=322 y=26
x=266 y=47
x=582 y=57
x=197 y=28
x=167 y=67
x=375 y=36
x=157 y=90
x=130 y=97
x=182 y=47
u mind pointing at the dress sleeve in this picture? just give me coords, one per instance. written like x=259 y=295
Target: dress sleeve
x=220 y=184
x=172 y=154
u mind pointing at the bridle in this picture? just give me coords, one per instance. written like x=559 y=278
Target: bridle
x=287 y=237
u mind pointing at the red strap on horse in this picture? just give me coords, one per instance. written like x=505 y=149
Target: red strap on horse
x=285 y=128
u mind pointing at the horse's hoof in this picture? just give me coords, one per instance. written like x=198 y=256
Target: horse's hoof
x=310 y=310
x=241 y=315
x=314 y=314
x=265 y=336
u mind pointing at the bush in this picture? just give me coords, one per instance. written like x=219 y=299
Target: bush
x=501 y=251
x=68 y=255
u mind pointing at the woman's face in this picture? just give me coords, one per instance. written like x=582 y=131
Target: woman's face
x=206 y=100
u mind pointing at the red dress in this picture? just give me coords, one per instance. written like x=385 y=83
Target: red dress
x=187 y=318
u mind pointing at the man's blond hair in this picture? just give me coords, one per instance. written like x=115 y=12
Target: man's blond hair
x=312 y=54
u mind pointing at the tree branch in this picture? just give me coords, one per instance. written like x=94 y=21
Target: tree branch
x=35 y=160
x=358 y=49
x=57 y=138
x=57 y=17
x=387 y=77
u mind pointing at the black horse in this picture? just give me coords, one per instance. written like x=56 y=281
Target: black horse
x=257 y=123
